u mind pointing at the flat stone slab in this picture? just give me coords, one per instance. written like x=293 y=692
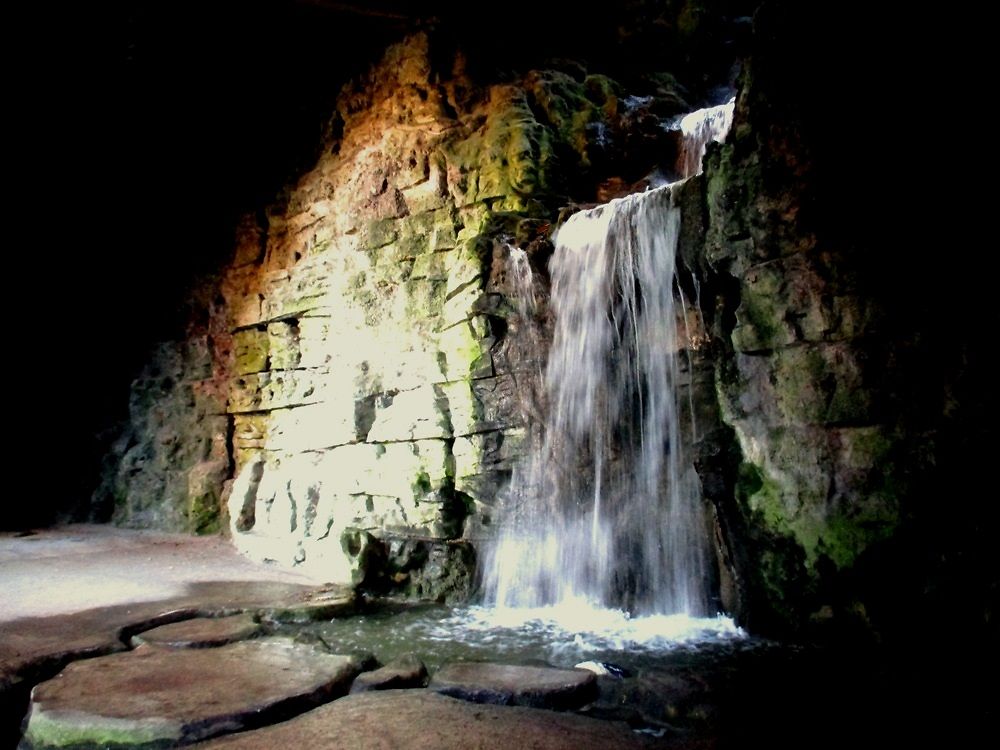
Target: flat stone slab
x=82 y=591
x=323 y=604
x=200 y=632
x=82 y=567
x=37 y=647
x=422 y=720
x=405 y=672
x=156 y=697
x=511 y=685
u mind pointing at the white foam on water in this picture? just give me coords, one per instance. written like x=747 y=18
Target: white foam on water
x=699 y=128
x=580 y=627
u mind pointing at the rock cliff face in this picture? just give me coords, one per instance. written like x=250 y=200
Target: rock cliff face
x=355 y=385
x=799 y=367
x=840 y=358
x=798 y=375
x=167 y=468
x=357 y=376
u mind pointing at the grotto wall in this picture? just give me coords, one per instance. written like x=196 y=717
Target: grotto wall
x=801 y=360
x=352 y=393
x=846 y=365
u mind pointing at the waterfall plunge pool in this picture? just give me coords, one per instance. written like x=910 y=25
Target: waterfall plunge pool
x=612 y=372
x=562 y=635
x=686 y=679
x=680 y=673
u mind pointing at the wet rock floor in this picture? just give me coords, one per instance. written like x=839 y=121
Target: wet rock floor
x=255 y=680
x=258 y=663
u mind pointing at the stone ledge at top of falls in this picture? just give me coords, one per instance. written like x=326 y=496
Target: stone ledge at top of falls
x=514 y=685
x=422 y=720
x=156 y=697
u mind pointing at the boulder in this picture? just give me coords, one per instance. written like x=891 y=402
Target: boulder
x=512 y=685
x=421 y=720
x=155 y=697
x=405 y=672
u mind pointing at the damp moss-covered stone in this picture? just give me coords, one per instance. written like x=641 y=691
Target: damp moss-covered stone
x=250 y=349
x=510 y=154
x=759 y=325
x=762 y=496
x=50 y=732
x=798 y=375
x=731 y=187
x=566 y=107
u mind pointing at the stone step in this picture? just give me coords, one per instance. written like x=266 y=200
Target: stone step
x=423 y=720
x=512 y=685
x=200 y=632
x=155 y=697
x=405 y=672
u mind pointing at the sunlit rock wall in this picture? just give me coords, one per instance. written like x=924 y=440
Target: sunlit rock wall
x=363 y=390
x=375 y=395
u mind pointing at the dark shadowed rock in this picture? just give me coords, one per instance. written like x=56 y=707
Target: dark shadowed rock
x=420 y=720
x=201 y=632
x=405 y=672
x=155 y=697
x=512 y=685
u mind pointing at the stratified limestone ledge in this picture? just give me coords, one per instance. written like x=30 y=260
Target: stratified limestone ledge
x=358 y=384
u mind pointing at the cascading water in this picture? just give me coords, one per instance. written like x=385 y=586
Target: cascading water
x=608 y=510
x=698 y=129
x=605 y=510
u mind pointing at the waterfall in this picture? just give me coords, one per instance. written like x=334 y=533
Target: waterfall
x=605 y=509
x=698 y=129
x=608 y=508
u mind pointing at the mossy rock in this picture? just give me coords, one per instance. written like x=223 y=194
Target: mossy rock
x=250 y=348
x=510 y=153
x=567 y=108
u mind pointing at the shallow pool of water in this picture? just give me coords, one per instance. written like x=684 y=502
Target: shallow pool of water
x=696 y=678
x=562 y=636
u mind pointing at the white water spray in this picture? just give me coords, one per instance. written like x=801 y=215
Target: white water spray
x=699 y=128
x=606 y=509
